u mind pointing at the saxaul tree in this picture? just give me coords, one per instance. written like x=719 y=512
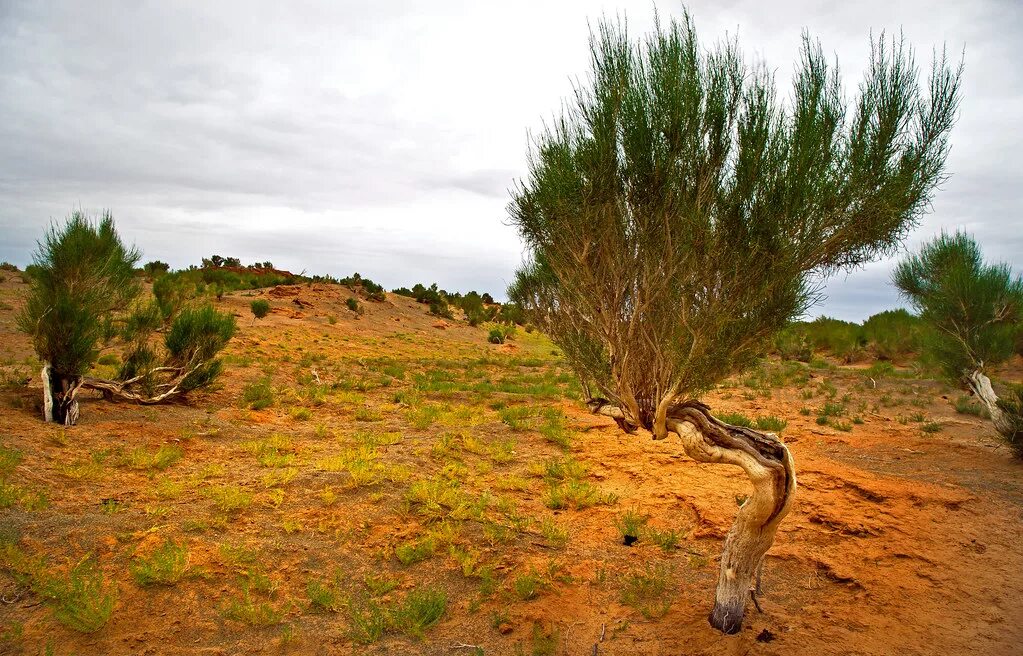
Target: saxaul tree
x=82 y=283
x=974 y=310
x=678 y=213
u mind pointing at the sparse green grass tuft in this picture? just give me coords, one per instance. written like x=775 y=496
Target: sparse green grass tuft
x=629 y=525
x=650 y=590
x=421 y=609
x=258 y=395
x=735 y=419
x=252 y=612
x=230 y=498
x=165 y=456
x=416 y=551
x=771 y=423
x=668 y=540
x=165 y=566
x=323 y=596
x=528 y=586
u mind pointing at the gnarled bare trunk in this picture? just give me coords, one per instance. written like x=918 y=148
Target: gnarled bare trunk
x=770 y=467
x=980 y=385
x=124 y=390
x=60 y=405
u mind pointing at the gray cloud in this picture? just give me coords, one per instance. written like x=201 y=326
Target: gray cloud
x=383 y=137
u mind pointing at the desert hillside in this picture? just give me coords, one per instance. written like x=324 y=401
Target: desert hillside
x=392 y=483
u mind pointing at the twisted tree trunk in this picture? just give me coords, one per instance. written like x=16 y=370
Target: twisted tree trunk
x=770 y=467
x=980 y=385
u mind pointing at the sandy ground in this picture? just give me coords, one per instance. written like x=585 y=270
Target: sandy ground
x=901 y=541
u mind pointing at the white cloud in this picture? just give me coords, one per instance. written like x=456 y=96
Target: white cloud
x=382 y=137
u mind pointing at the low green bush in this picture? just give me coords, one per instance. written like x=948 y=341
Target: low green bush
x=260 y=308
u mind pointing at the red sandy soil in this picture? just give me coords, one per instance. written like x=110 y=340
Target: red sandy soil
x=900 y=542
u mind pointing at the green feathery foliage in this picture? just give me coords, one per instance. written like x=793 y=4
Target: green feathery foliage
x=974 y=308
x=678 y=214
x=82 y=274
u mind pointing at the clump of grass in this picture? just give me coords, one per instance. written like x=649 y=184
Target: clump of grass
x=517 y=417
x=260 y=308
x=545 y=641
x=932 y=427
x=230 y=498
x=236 y=556
x=274 y=451
x=165 y=456
x=629 y=525
x=578 y=494
x=367 y=414
x=831 y=409
x=9 y=459
x=649 y=590
x=252 y=612
x=553 y=532
x=258 y=395
x=323 y=596
x=528 y=586
x=553 y=428
x=668 y=539
x=736 y=419
x=966 y=405
x=423 y=416
x=165 y=566
x=771 y=423
x=80 y=600
x=367 y=621
x=415 y=551
x=380 y=584
x=421 y=609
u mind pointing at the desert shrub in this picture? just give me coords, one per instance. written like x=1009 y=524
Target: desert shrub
x=496 y=336
x=7 y=266
x=155 y=268
x=791 y=344
x=260 y=308
x=352 y=304
x=83 y=273
x=893 y=333
x=840 y=338
x=511 y=313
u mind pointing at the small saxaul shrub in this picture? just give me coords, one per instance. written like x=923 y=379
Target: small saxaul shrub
x=496 y=336
x=260 y=308
x=352 y=304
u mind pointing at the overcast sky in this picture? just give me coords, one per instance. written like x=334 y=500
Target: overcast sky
x=382 y=137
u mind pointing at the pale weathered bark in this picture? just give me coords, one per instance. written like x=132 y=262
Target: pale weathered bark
x=770 y=467
x=127 y=389
x=980 y=385
x=60 y=405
